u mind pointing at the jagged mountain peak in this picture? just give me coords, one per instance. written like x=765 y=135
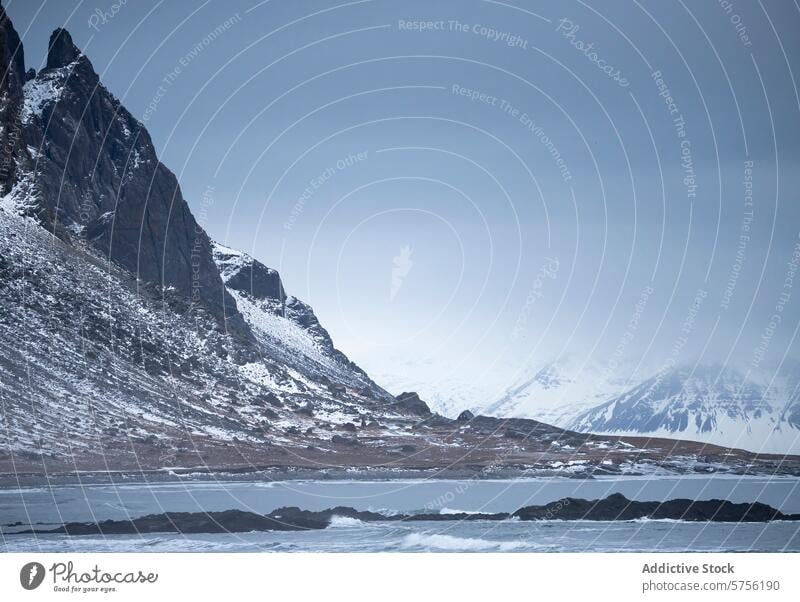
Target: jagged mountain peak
x=12 y=78
x=87 y=169
x=551 y=376
x=557 y=390
x=242 y=272
x=61 y=50
x=11 y=49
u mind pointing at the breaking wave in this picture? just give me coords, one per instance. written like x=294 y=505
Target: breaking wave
x=428 y=541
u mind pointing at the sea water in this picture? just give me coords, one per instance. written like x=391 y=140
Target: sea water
x=51 y=506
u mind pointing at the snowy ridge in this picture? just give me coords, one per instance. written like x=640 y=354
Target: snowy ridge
x=704 y=403
x=558 y=391
x=128 y=367
x=285 y=326
x=231 y=262
x=708 y=404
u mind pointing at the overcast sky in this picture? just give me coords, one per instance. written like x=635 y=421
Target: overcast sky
x=466 y=189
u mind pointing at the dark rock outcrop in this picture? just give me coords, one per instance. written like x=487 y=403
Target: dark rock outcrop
x=465 y=416
x=294 y=516
x=242 y=273
x=410 y=403
x=61 y=51
x=251 y=282
x=339 y=440
x=12 y=78
x=94 y=173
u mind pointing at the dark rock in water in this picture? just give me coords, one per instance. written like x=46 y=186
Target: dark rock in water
x=465 y=416
x=410 y=403
x=613 y=508
x=228 y=521
x=349 y=427
x=456 y=516
x=718 y=511
x=618 y=507
x=339 y=440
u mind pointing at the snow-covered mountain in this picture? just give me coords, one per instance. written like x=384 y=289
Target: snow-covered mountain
x=705 y=403
x=558 y=391
x=123 y=326
x=131 y=341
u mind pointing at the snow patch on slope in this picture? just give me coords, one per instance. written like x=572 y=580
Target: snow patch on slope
x=42 y=91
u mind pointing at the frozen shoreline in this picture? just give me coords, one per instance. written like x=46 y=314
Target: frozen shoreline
x=360 y=474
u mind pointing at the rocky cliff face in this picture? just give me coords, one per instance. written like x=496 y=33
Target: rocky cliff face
x=89 y=170
x=286 y=326
x=12 y=78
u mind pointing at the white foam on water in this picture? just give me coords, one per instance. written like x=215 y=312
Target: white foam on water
x=345 y=521
x=437 y=541
x=456 y=511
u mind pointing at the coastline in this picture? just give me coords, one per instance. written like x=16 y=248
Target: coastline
x=283 y=474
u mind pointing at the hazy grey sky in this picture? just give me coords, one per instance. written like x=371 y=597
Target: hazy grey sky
x=491 y=190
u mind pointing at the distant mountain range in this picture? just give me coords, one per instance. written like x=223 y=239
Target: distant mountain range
x=704 y=403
